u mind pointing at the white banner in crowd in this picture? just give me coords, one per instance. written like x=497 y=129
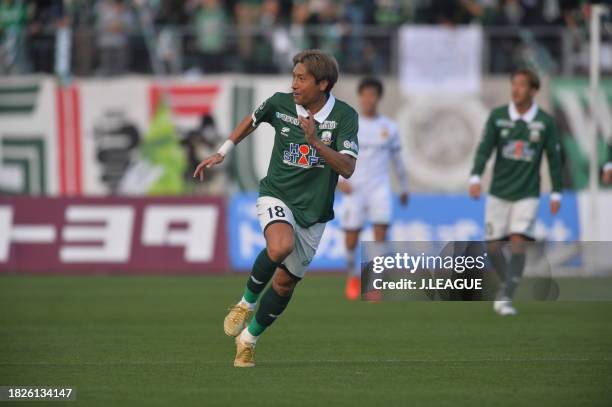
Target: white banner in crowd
x=439 y=59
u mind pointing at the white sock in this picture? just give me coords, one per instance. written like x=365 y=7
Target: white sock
x=251 y=305
x=246 y=336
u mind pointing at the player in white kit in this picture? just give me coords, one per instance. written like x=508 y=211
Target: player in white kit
x=368 y=194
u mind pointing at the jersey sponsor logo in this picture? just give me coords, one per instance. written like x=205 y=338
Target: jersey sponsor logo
x=302 y=155
x=505 y=133
x=518 y=150
x=327 y=125
x=326 y=137
x=504 y=123
x=287 y=118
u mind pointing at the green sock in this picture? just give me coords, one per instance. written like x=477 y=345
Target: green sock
x=262 y=272
x=514 y=272
x=250 y=296
x=271 y=306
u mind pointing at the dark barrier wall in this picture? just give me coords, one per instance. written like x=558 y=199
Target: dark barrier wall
x=87 y=235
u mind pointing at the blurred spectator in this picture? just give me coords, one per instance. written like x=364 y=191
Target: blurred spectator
x=453 y=12
x=356 y=14
x=210 y=21
x=13 y=18
x=392 y=12
x=328 y=31
x=269 y=32
x=48 y=16
x=247 y=15
x=300 y=14
x=524 y=12
x=113 y=27
x=573 y=16
x=170 y=16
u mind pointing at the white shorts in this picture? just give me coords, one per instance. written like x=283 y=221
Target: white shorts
x=358 y=207
x=503 y=218
x=271 y=210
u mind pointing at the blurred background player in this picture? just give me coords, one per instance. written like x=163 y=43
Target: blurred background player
x=315 y=141
x=606 y=176
x=520 y=133
x=368 y=194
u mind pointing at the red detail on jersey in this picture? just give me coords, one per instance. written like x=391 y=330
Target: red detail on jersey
x=304 y=150
x=518 y=149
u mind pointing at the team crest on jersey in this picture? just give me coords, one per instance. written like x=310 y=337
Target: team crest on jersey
x=505 y=133
x=384 y=134
x=534 y=136
x=302 y=155
x=326 y=137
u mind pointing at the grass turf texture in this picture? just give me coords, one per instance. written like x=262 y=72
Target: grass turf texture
x=158 y=341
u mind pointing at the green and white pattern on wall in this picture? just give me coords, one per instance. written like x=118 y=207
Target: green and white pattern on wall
x=22 y=169
x=576 y=117
x=20 y=98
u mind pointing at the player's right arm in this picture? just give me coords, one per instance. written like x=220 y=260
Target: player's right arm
x=244 y=128
x=487 y=143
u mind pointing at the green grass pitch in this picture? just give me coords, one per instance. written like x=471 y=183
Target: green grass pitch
x=158 y=341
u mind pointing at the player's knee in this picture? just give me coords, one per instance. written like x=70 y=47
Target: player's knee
x=283 y=284
x=518 y=244
x=279 y=249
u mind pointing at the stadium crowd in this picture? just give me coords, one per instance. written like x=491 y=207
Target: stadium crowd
x=111 y=36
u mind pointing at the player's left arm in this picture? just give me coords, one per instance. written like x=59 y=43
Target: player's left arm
x=555 y=167
x=343 y=164
x=398 y=166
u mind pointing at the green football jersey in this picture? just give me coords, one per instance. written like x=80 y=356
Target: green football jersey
x=519 y=142
x=297 y=174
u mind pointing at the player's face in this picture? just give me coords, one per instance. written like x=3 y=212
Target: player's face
x=368 y=100
x=522 y=92
x=305 y=88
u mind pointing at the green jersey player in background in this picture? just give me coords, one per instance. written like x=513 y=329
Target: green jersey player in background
x=315 y=141
x=519 y=133
x=606 y=175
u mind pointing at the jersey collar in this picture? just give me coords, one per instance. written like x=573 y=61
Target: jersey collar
x=527 y=117
x=322 y=114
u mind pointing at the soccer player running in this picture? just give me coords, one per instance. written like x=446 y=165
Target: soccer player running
x=520 y=133
x=315 y=141
x=368 y=193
